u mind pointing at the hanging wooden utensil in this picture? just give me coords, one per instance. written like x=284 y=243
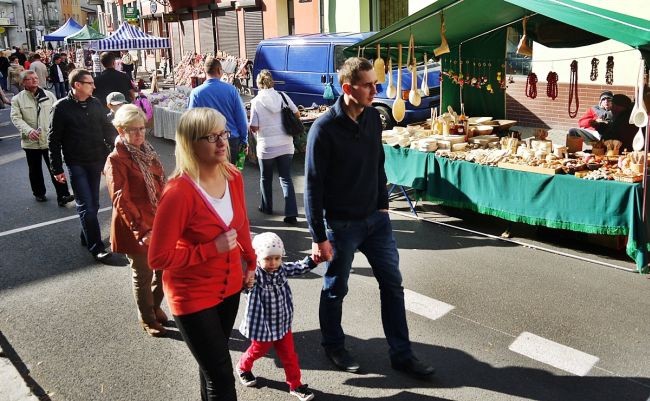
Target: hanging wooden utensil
x=444 y=46
x=391 y=91
x=399 y=108
x=414 y=96
x=425 y=79
x=380 y=68
x=409 y=55
x=522 y=47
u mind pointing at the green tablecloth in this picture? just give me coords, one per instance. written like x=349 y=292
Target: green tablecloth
x=560 y=201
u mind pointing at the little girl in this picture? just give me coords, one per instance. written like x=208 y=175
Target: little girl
x=269 y=312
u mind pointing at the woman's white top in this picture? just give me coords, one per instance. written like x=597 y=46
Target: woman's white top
x=223 y=206
x=272 y=140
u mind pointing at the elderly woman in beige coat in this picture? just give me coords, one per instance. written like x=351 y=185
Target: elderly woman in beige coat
x=30 y=113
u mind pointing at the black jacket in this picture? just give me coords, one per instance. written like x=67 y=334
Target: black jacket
x=84 y=135
x=54 y=74
x=111 y=80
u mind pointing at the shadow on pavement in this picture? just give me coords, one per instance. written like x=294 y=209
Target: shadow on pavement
x=456 y=369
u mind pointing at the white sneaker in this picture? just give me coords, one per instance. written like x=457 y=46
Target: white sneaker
x=302 y=393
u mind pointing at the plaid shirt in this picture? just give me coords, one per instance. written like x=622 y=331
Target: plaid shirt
x=269 y=304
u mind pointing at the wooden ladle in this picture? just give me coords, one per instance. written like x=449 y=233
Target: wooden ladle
x=390 y=90
x=399 y=108
x=414 y=96
x=380 y=68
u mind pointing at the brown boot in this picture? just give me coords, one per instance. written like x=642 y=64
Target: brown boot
x=154 y=329
x=161 y=317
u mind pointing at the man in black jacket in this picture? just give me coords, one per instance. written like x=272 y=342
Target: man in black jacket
x=57 y=76
x=111 y=80
x=80 y=129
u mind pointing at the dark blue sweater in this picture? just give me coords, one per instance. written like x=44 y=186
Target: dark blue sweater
x=344 y=169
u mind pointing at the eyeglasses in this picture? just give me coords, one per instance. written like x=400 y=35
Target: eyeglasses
x=212 y=138
x=136 y=130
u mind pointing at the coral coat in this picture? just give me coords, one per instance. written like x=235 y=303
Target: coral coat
x=132 y=210
x=196 y=275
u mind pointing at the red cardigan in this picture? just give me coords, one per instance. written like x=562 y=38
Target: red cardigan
x=196 y=275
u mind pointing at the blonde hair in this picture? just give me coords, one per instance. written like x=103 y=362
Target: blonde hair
x=128 y=114
x=265 y=79
x=194 y=124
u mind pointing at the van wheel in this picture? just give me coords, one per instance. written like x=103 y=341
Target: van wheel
x=386 y=119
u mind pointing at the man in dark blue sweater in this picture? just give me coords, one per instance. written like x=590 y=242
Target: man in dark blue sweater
x=346 y=204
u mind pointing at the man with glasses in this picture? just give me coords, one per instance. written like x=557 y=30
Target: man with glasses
x=224 y=98
x=81 y=130
x=346 y=204
x=30 y=113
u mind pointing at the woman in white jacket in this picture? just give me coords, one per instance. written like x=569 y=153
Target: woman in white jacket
x=274 y=145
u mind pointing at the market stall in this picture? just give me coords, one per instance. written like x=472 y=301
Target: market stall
x=555 y=201
x=129 y=37
x=69 y=28
x=85 y=34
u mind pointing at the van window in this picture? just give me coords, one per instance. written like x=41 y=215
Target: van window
x=272 y=58
x=312 y=58
x=339 y=57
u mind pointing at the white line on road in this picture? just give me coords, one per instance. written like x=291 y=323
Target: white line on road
x=46 y=223
x=551 y=353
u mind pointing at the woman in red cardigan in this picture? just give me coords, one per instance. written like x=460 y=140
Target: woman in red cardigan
x=135 y=180
x=200 y=236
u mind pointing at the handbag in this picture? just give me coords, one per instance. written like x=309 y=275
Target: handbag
x=292 y=124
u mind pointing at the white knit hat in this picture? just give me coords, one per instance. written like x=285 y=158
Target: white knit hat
x=268 y=244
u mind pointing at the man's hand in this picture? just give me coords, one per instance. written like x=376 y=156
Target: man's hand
x=33 y=135
x=60 y=178
x=322 y=251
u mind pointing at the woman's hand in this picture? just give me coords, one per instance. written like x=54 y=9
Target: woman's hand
x=249 y=279
x=147 y=238
x=226 y=241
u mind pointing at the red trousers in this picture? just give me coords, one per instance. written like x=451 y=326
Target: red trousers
x=284 y=348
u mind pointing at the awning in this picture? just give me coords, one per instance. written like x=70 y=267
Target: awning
x=466 y=19
x=129 y=37
x=69 y=28
x=86 y=34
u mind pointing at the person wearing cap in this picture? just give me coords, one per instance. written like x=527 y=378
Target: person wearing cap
x=594 y=122
x=114 y=101
x=620 y=127
x=269 y=313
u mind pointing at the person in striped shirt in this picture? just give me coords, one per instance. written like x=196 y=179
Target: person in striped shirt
x=269 y=312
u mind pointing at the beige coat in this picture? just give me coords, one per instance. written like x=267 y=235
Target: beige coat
x=24 y=113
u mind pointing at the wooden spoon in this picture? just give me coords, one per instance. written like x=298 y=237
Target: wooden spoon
x=380 y=68
x=414 y=96
x=424 y=87
x=390 y=90
x=638 y=143
x=399 y=108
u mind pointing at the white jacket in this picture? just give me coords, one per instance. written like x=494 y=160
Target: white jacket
x=272 y=139
x=24 y=115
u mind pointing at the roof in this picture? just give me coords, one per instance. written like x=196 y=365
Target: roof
x=573 y=23
x=70 y=27
x=336 y=37
x=129 y=37
x=86 y=34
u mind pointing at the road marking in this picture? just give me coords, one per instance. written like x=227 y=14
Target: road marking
x=46 y=223
x=9 y=136
x=551 y=353
x=425 y=306
x=414 y=302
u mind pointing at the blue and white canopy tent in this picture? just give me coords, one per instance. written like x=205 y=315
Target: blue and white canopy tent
x=129 y=37
x=69 y=28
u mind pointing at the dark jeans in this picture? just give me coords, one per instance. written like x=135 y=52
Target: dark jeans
x=266 y=184
x=85 y=181
x=206 y=334
x=59 y=89
x=372 y=236
x=35 y=165
x=233 y=143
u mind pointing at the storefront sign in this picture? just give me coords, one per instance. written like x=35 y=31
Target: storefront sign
x=131 y=12
x=5 y=21
x=170 y=17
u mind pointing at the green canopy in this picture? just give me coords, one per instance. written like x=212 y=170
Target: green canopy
x=86 y=34
x=476 y=34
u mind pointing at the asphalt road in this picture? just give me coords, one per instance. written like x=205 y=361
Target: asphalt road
x=498 y=320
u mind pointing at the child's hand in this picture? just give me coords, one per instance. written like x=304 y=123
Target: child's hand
x=249 y=280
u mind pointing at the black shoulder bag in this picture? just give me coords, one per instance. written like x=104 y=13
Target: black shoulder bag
x=292 y=124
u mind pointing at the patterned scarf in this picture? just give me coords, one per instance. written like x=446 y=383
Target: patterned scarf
x=146 y=157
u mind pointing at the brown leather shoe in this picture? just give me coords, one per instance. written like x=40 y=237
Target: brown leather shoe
x=161 y=316
x=154 y=329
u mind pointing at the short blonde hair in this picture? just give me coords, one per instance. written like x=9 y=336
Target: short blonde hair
x=265 y=79
x=349 y=72
x=127 y=115
x=194 y=124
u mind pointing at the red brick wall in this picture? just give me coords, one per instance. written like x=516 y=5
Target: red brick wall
x=543 y=112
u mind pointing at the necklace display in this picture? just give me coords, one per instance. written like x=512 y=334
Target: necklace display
x=551 y=84
x=573 y=89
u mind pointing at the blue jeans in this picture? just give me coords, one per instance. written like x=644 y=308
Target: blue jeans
x=266 y=184
x=85 y=181
x=587 y=135
x=59 y=89
x=373 y=236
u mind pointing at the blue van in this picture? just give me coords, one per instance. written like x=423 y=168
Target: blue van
x=302 y=64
